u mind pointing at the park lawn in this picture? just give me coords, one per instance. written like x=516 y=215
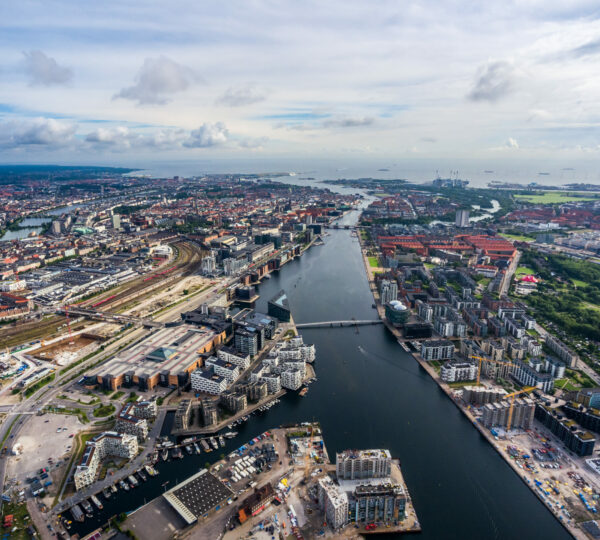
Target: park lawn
x=524 y=270
x=553 y=197
x=373 y=262
x=104 y=410
x=518 y=237
x=579 y=283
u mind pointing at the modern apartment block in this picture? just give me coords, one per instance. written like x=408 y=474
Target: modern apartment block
x=333 y=502
x=206 y=380
x=183 y=414
x=561 y=350
x=128 y=423
x=497 y=414
x=580 y=442
x=106 y=444
x=291 y=379
x=363 y=464
x=455 y=371
x=378 y=503
x=388 y=291
x=233 y=356
x=437 y=349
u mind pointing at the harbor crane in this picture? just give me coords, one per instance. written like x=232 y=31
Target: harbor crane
x=512 y=403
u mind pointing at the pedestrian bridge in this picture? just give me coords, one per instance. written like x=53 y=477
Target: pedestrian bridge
x=330 y=324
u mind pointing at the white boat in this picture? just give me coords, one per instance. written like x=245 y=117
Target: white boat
x=214 y=443
x=97 y=502
x=221 y=441
x=230 y=434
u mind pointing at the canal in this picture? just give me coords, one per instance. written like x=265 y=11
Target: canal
x=371 y=394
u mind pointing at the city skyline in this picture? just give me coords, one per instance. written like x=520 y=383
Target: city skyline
x=129 y=81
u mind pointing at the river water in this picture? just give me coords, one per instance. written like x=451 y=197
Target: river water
x=371 y=394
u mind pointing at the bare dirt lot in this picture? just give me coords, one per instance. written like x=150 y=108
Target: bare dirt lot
x=41 y=441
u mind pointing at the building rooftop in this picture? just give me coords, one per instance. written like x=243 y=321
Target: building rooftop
x=197 y=495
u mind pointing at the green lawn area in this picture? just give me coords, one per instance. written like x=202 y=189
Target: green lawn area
x=429 y=265
x=117 y=395
x=21 y=520
x=373 y=262
x=579 y=283
x=524 y=270
x=553 y=197
x=518 y=237
x=580 y=378
x=104 y=410
x=566 y=384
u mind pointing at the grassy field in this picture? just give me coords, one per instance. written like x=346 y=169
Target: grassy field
x=518 y=237
x=524 y=270
x=104 y=410
x=21 y=520
x=373 y=262
x=553 y=197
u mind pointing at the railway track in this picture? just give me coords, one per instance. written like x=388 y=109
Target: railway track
x=187 y=262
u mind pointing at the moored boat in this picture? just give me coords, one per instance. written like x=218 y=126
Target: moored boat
x=97 y=502
x=87 y=507
x=165 y=455
x=133 y=481
x=77 y=513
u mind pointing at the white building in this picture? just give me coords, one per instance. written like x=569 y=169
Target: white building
x=209 y=265
x=226 y=369
x=204 y=380
x=273 y=382
x=106 y=444
x=363 y=464
x=291 y=379
x=233 y=356
x=462 y=218
x=458 y=371
x=333 y=502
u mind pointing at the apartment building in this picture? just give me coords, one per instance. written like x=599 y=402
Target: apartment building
x=561 y=350
x=455 y=371
x=291 y=379
x=128 y=423
x=206 y=380
x=183 y=414
x=233 y=356
x=363 y=464
x=333 y=502
x=106 y=444
x=437 y=349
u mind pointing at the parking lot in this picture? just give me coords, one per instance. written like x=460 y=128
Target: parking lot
x=42 y=442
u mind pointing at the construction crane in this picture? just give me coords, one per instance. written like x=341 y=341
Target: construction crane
x=481 y=360
x=512 y=403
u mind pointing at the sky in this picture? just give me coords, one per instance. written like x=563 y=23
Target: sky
x=123 y=80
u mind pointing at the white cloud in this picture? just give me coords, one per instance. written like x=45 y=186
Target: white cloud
x=44 y=70
x=157 y=80
x=207 y=135
x=122 y=138
x=494 y=81
x=38 y=132
x=240 y=96
x=512 y=143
